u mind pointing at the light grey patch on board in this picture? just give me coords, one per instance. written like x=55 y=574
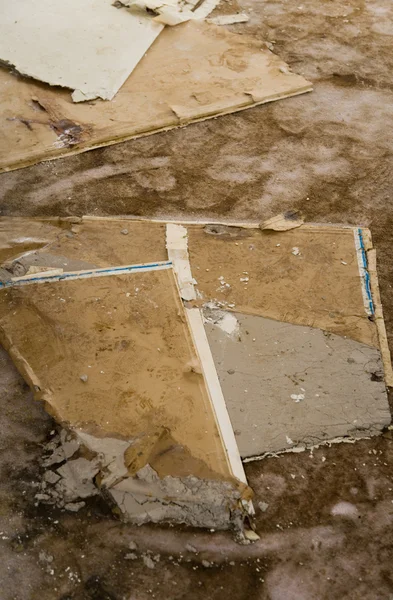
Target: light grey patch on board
x=288 y=386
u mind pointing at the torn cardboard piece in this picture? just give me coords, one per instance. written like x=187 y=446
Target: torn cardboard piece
x=215 y=72
x=46 y=42
x=121 y=375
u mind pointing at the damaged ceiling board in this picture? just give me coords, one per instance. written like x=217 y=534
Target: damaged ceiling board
x=288 y=386
x=113 y=360
x=306 y=276
x=192 y=72
x=89 y=46
x=71 y=244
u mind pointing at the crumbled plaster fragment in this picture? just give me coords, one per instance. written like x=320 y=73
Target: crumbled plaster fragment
x=229 y=19
x=148 y=562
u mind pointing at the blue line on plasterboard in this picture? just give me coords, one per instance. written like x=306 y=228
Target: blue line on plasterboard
x=367 y=283
x=83 y=274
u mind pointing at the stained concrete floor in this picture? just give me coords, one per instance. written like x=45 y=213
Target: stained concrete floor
x=327 y=531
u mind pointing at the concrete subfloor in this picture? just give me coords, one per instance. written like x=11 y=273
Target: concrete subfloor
x=327 y=530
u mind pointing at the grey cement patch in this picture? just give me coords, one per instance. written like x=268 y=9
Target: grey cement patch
x=288 y=386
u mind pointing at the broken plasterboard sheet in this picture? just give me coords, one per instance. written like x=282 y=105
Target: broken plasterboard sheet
x=288 y=386
x=306 y=276
x=229 y=19
x=89 y=47
x=73 y=244
x=214 y=72
x=237 y=268
x=113 y=360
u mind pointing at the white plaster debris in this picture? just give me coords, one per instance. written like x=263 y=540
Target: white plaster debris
x=173 y=12
x=297 y=397
x=229 y=19
x=46 y=44
x=177 y=246
x=74 y=506
x=296 y=251
x=345 y=510
x=289 y=441
x=263 y=506
x=148 y=562
x=226 y=321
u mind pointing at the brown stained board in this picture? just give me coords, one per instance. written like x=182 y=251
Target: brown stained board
x=102 y=243
x=313 y=288
x=128 y=334
x=192 y=72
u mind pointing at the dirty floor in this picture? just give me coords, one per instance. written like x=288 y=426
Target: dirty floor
x=325 y=519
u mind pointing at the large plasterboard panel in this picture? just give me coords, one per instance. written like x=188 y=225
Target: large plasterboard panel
x=193 y=71
x=127 y=337
x=85 y=45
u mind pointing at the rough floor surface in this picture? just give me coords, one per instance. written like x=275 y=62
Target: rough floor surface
x=325 y=520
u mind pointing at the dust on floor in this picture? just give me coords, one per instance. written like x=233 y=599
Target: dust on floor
x=329 y=154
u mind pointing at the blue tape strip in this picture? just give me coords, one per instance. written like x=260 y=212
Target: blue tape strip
x=367 y=282
x=82 y=274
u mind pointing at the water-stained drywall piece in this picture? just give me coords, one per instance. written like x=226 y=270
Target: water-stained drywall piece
x=89 y=47
x=307 y=276
x=128 y=335
x=77 y=244
x=288 y=386
x=319 y=284
x=214 y=72
x=112 y=359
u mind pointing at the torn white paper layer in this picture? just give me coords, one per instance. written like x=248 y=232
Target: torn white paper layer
x=174 y=12
x=90 y=46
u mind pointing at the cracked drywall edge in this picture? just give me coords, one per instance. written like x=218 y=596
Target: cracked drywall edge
x=197 y=502
x=371 y=259
x=174 y=12
x=110 y=452
x=310 y=447
x=177 y=246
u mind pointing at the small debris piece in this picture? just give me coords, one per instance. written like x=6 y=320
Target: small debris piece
x=148 y=562
x=345 y=510
x=283 y=222
x=191 y=548
x=251 y=535
x=206 y=564
x=229 y=19
x=297 y=397
x=84 y=378
x=124 y=231
x=132 y=545
x=74 y=506
x=51 y=477
x=263 y=506
x=296 y=251
x=131 y=556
